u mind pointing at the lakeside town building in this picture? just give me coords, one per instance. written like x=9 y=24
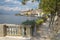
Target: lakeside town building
x=32 y=12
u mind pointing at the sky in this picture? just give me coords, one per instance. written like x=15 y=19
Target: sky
x=14 y=6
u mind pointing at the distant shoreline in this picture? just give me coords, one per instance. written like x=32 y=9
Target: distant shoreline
x=26 y=15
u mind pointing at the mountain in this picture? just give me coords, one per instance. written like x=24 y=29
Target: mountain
x=2 y=12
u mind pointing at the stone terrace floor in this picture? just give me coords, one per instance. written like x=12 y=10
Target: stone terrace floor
x=13 y=38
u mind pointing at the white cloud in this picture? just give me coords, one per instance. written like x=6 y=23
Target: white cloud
x=9 y=8
x=19 y=6
x=13 y=1
x=16 y=9
x=8 y=0
x=6 y=8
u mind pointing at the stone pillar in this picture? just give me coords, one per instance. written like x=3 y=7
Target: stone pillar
x=5 y=29
x=19 y=31
x=23 y=31
x=28 y=31
x=1 y=30
x=35 y=30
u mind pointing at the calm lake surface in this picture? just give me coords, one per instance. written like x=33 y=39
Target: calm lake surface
x=12 y=19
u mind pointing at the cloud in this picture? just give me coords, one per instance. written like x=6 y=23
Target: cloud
x=6 y=8
x=8 y=0
x=17 y=5
x=9 y=8
x=32 y=3
x=13 y=1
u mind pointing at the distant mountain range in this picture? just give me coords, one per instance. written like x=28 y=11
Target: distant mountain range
x=2 y=12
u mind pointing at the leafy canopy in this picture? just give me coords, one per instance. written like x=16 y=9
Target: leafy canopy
x=48 y=5
x=29 y=22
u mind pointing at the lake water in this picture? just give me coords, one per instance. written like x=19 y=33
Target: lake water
x=12 y=19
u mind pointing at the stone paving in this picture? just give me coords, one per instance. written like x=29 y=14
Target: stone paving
x=13 y=38
x=43 y=33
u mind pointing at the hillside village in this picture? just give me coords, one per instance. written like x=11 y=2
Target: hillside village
x=32 y=12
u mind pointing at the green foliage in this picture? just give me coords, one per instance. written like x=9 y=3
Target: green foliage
x=39 y=21
x=29 y=22
x=48 y=5
x=33 y=22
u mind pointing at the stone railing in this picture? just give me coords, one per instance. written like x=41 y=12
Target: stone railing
x=14 y=30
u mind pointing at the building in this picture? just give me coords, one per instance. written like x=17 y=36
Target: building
x=32 y=12
x=15 y=30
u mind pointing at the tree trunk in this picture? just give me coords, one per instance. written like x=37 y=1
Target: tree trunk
x=51 y=25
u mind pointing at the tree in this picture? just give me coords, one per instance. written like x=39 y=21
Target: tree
x=48 y=6
x=29 y=22
x=52 y=7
